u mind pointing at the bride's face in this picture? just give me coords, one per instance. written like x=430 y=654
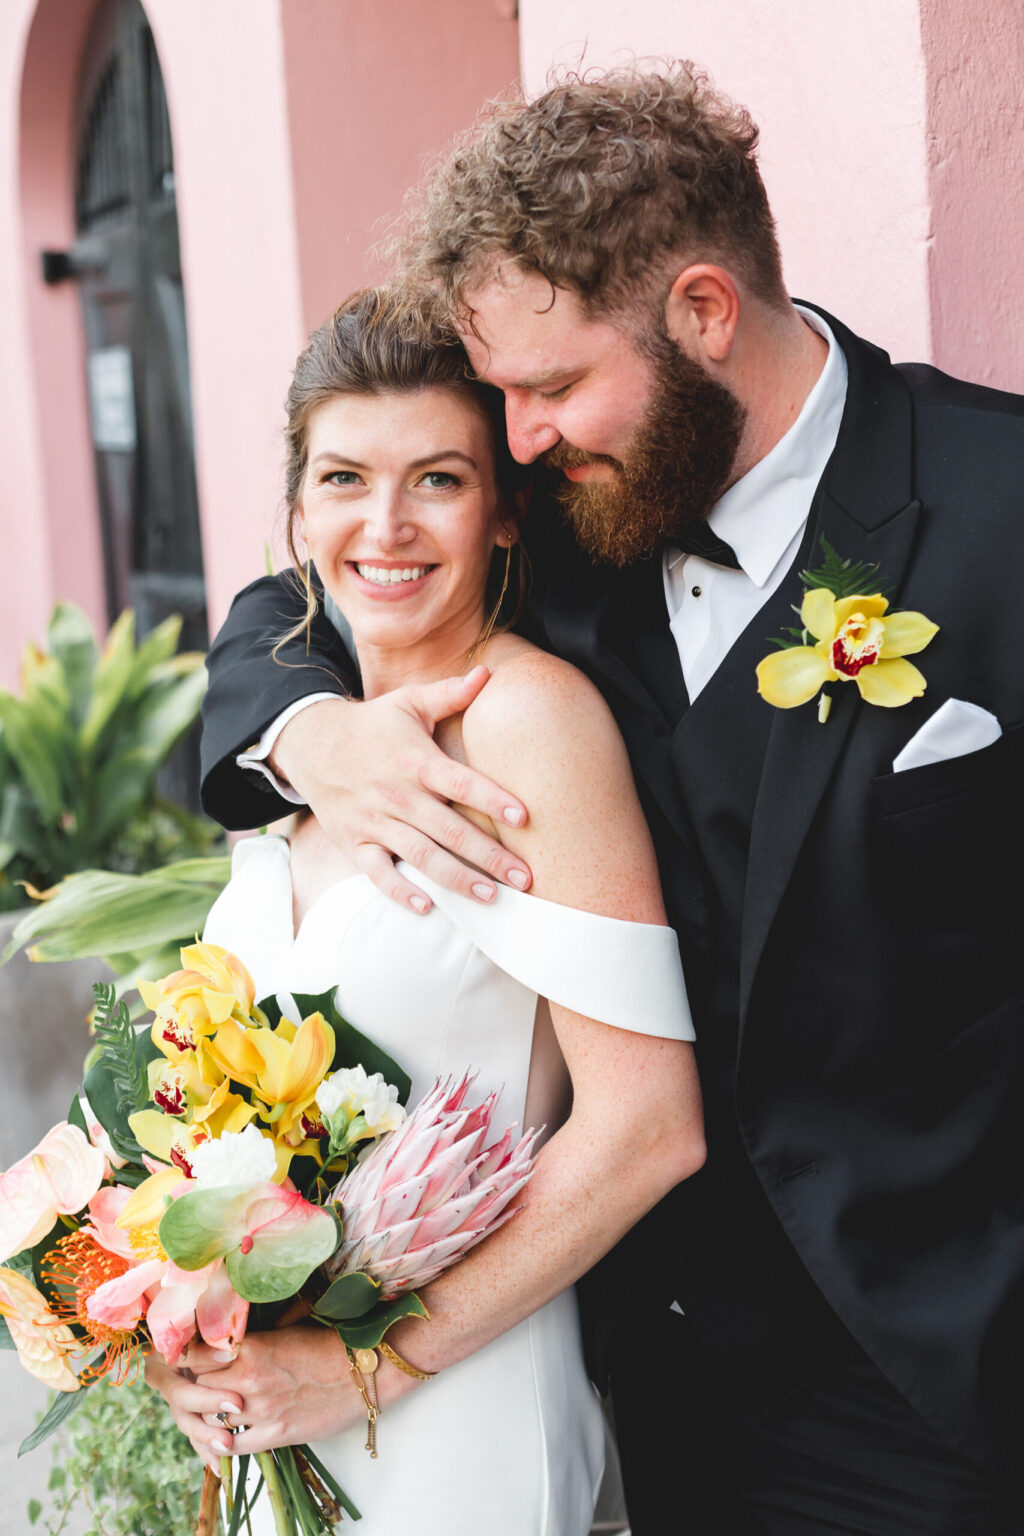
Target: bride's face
x=399 y=510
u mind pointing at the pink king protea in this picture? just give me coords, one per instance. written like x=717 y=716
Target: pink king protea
x=429 y=1191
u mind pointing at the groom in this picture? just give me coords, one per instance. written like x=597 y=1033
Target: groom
x=833 y=1309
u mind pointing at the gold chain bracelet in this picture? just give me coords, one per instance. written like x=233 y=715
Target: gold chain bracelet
x=362 y=1364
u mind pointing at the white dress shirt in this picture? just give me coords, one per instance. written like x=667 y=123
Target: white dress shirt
x=763 y=516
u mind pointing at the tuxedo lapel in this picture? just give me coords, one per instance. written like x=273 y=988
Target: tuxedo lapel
x=865 y=509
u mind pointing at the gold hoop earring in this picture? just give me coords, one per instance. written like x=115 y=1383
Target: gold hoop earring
x=307 y=579
x=488 y=628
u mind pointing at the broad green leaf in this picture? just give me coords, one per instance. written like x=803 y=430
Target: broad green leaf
x=35 y=1509
x=351 y=1047
x=36 y=759
x=64 y=1404
x=100 y=913
x=111 y=678
x=155 y=648
x=347 y=1297
x=6 y=1342
x=71 y=639
x=366 y=1333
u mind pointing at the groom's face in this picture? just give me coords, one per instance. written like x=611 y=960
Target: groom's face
x=644 y=439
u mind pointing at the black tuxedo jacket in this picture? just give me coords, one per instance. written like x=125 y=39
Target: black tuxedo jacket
x=880 y=1023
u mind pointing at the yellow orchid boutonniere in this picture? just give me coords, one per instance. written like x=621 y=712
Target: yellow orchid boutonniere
x=846 y=635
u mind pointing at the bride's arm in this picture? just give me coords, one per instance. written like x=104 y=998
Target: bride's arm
x=635 y=1129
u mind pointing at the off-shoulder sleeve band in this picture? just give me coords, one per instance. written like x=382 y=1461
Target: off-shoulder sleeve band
x=620 y=973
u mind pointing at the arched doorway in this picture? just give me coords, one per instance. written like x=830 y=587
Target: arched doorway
x=127 y=264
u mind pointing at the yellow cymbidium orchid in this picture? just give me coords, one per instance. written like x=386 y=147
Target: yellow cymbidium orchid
x=192 y=1003
x=858 y=641
x=170 y=1137
x=283 y=1067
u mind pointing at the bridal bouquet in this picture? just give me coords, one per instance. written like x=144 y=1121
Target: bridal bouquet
x=232 y=1169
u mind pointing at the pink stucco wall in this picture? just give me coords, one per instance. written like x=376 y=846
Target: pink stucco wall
x=372 y=93
x=49 y=527
x=975 y=95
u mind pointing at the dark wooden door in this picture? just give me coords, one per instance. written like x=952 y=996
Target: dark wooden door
x=128 y=266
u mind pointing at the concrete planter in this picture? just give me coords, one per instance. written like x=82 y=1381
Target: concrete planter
x=43 y=1041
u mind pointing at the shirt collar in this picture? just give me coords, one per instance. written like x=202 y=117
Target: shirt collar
x=760 y=515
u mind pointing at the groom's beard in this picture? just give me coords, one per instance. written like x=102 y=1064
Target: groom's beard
x=676 y=468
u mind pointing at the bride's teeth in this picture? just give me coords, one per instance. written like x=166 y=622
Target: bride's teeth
x=386 y=577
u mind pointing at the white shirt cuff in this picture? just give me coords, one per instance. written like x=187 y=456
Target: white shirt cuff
x=254 y=758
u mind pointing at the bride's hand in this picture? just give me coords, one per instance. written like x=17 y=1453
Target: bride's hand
x=292 y=1384
x=189 y=1402
x=381 y=787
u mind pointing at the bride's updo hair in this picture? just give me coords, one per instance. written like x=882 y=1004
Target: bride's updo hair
x=383 y=341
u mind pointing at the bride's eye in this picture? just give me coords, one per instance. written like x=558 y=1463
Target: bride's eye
x=439 y=480
x=341 y=477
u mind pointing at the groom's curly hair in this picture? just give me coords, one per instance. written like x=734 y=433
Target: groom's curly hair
x=604 y=185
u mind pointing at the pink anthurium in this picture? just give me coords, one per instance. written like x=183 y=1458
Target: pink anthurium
x=57 y=1179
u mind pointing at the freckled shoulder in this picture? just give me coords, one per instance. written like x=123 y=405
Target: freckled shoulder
x=543 y=731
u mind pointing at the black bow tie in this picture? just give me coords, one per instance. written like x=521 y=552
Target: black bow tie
x=700 y=539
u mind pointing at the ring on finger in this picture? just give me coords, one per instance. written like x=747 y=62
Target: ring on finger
x=232 y=1429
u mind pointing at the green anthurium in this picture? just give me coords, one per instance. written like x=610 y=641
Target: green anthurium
x=270 y=1238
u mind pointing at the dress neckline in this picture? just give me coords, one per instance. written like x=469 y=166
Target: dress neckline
x=295 y=932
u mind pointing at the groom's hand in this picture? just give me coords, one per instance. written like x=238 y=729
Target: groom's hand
x=381 y=788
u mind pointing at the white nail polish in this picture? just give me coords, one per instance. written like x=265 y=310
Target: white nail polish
x=483 y=892
x=513 y=816
x=419 y=904
x=518 y=878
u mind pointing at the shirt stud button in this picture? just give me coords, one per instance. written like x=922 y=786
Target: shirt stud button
x=696 y=591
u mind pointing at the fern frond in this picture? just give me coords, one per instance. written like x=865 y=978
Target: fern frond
x=843 y=578
x=119 y=1049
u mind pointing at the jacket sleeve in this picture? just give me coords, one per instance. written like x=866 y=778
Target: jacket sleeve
x=249 y=688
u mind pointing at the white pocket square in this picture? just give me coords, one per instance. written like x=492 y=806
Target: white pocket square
x=955 y=729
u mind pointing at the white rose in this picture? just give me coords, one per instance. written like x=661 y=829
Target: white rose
x=236 y=1157
x=352 y=1092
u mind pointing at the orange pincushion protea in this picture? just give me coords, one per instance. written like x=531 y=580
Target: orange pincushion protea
x=75 y=1269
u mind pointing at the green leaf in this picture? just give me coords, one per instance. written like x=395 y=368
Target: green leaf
x=76 y=1115
x=843 y=578
x=6 y=1342
x=108 y=1103
x=62 y=1406
x=122 y=1052
x=351 y=1047
x=36 y=758
x=98 y=912
x=71 y=640
x=35 y=1509
x=112 y=675
x=367 y=1333
x=347 y=1297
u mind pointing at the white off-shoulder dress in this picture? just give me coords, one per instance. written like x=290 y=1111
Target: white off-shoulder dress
x=510 y=1440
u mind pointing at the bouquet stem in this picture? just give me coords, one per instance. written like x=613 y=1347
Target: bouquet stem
x=209 y=1510
x=284 y=1525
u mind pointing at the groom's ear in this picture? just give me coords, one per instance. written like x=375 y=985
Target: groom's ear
x=702 y=312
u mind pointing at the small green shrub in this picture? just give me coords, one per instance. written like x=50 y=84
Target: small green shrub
x=81 y=748
x=121 y=1461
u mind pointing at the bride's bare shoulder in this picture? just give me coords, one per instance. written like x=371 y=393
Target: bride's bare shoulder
x=543 y=731
x=534 y=698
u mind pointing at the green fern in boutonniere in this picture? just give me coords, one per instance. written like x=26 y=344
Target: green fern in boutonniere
x=846 y=634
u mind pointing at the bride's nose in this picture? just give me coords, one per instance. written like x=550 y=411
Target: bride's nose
x=389 y=521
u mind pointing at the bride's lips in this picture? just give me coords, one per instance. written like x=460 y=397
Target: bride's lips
x=392 y=590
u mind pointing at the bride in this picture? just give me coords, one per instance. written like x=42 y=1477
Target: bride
x=570 y=998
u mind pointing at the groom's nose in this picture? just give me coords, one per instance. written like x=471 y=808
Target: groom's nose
x=529 y=432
